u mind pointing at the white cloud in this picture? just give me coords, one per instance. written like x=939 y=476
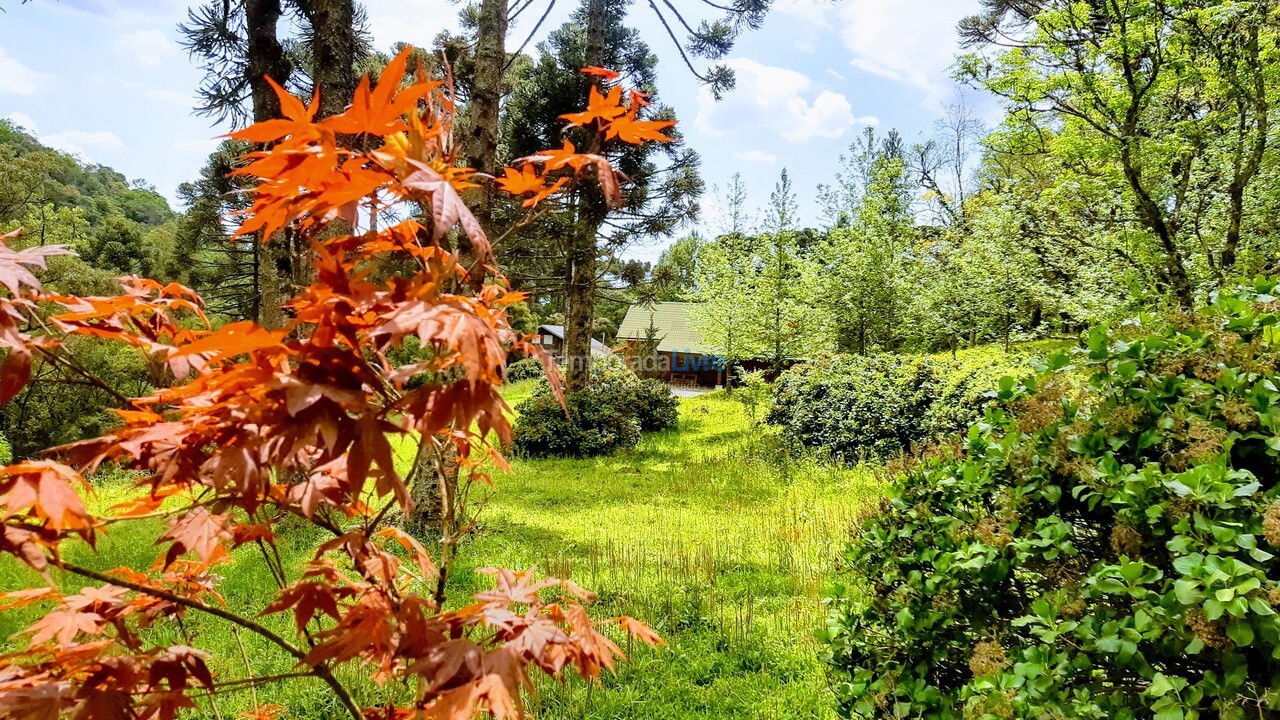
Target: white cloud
x=756 y=156
x=909 y=42
x=23 y=121
x=16 y=78
x=80 y=142
x=76 y=142
x=148 y=47
x=776 y=99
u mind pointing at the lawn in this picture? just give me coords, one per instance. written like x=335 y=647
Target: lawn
x=709 y=532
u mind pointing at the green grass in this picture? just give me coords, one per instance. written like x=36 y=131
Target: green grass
x=708 y=532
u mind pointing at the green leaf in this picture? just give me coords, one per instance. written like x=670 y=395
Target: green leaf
x=1240 y=632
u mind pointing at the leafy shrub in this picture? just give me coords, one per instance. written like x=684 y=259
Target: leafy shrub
x=648 y=403
x=965 y=383
x=654 y=406
x=524 y=369
x=877 y=406
x=6 y=452
x=856 y=406
x=1101 y=547
x=755 y=394
x=595 y=425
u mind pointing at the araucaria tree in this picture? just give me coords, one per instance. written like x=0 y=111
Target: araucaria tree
x=573 y=247
x=250 y=425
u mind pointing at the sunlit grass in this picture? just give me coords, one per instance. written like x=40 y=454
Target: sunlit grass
x=709 y=532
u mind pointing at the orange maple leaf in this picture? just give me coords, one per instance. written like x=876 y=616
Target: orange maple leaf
x=599 y=107
x=636 y=132
x=603 y=73
x=519 y=182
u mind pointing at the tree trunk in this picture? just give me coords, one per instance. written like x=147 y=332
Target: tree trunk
x=1153 y=216
x=481 y=141
x=266 y=58
x=580 y=286
x=580 y=270
x=333 y=52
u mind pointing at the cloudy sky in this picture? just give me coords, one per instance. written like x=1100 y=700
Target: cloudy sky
x=106 y=79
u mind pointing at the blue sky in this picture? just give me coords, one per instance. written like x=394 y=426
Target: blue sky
x=106 y=79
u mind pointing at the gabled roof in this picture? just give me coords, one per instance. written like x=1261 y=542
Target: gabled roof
x=597 y=347
x=673 y=323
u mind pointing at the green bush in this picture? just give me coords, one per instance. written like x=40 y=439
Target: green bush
x=877 y=406
x=649 y=404
x=651 y=400
x=1100 y=547
x=524 y=369
x=856 y=407
x=595 y=425
x=966 y=380
x=6 y=452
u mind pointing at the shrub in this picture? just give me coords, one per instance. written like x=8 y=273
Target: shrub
x=648 y=404
x=595 y=425
x=856 y=406
x=6 y=452
x=877 y=406
x=524 y=369
x=965 y=383
x=1101 y=547
x=655 y=407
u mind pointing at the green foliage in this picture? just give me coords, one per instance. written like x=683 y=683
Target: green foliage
x=6 y=451
x=1100 y=548
x=602 y=414
x=855 y=407
x=61 y=407
x=524 y=369
x=755 y=394
x=588 y=424
x=967 y=380
x=656 y=408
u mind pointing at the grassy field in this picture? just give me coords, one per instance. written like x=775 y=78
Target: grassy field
x=709 y=532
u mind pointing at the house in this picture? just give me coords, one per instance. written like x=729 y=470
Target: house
x=660 y=341
x=551 y=339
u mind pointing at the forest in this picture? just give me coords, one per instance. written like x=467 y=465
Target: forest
x=515 y=374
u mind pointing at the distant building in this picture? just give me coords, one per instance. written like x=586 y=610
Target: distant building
x=551 y=339
x=660 y=341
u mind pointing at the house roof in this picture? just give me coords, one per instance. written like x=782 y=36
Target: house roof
x=673 y=323
x=597 y=347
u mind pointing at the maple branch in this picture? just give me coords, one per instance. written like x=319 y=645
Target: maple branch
x=321 y=671
x=93 y=379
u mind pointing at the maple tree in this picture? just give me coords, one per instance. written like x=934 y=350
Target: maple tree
x=248 y=425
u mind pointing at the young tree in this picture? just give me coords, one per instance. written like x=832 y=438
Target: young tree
x=249 y=424
x=860 y=277
x=726 y=298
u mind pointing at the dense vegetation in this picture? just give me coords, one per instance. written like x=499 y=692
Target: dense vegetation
x=607 y=415
x=305 y=406
x=1101 y=546
x=856 y=407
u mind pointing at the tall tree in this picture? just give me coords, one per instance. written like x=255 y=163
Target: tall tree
x=573 y=251
x=1170 y=101
x=239 y=44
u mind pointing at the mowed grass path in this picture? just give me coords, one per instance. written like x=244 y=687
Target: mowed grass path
x=709 y=532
